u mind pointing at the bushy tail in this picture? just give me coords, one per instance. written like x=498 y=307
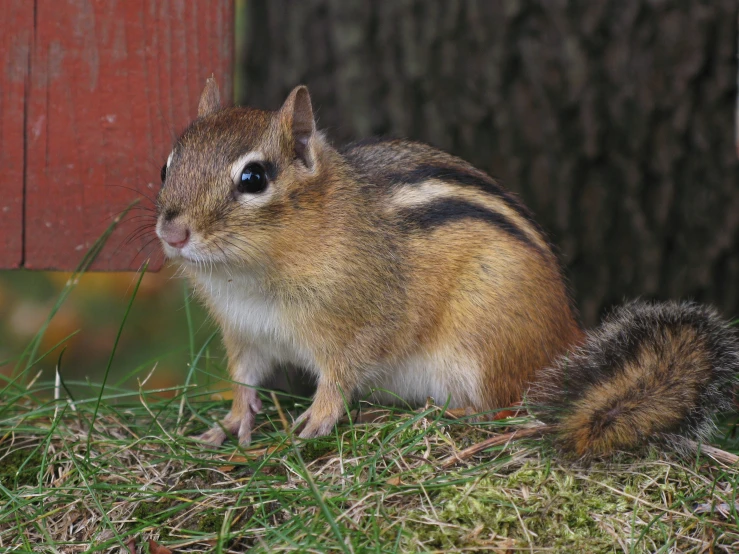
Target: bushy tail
x=649 y=372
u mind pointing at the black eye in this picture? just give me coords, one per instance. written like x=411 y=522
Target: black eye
x=252 y=180
x=164 y=172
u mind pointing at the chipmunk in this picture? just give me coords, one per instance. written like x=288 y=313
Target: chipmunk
x=391 y=269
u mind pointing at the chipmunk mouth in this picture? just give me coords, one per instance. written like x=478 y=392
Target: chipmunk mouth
x=181 y=242
x=194 y=254
x=189 y=247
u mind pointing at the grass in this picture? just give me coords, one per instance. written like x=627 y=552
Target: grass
x=110 y=468
x=72 y=482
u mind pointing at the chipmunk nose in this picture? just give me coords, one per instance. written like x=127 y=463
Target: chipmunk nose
x=174 y=234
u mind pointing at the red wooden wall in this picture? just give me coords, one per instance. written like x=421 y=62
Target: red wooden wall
x=92 y=95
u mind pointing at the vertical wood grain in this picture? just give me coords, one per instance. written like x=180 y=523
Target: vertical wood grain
x=16 y=35
x=112 y=83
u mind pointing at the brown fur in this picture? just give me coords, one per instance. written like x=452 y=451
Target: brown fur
x=607 y=418
x=650 y=371
x=386 y=265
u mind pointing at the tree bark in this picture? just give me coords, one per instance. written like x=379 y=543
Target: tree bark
x=613 y=119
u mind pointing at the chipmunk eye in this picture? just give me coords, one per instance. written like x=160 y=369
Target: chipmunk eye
x=164 y=172
x=252 y=179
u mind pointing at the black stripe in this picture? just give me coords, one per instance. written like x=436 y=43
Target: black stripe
x=487 y=184
x=444 y=210
x=460 y=176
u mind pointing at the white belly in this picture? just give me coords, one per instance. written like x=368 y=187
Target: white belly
x=250 y=312
x=417 y=378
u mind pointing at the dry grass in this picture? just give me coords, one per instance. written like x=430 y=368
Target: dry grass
x=376 y=487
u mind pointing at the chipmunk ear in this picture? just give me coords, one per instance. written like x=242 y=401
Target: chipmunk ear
x=297 y=116
x=210 y=99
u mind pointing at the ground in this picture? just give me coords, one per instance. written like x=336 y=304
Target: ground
x=387 y=486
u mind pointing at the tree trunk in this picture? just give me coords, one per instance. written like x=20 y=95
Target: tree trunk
x=613 y=119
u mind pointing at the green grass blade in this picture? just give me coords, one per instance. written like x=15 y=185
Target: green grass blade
x=29 y=353
x=112 y=354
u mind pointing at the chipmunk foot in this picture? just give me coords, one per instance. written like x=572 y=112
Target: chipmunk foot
x=239 y=421
x=323 y=414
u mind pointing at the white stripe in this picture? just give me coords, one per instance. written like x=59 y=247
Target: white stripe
x=423 y=193
x=240 y=164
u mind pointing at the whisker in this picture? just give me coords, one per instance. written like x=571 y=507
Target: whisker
x=144 y=194
x=139 y=232
x=138 y=252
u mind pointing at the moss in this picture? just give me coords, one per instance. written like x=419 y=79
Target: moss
x=390 y=484
x=153 y=512
x=275 y=468
x=210 y=523
x=20 y=468
x=312 y=450
x=200 y=478
x=165 y=536
x=534 y=506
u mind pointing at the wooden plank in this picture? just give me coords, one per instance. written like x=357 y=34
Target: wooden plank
x=16 y=36
x=112 y=83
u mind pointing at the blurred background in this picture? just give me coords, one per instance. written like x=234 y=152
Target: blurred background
x=156 y=331
x=614 y=120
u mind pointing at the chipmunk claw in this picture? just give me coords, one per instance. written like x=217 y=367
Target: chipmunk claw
x=215 y=436
x=239 y=423
x=313 y=426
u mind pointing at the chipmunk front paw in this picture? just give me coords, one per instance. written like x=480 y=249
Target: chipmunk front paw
x=215 y=436
x=320 y=418
x=239 y=421
x=317 y=427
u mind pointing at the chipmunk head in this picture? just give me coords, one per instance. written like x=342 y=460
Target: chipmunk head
x=234 y=175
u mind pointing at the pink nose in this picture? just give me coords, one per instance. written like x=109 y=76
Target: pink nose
x=174 y=234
